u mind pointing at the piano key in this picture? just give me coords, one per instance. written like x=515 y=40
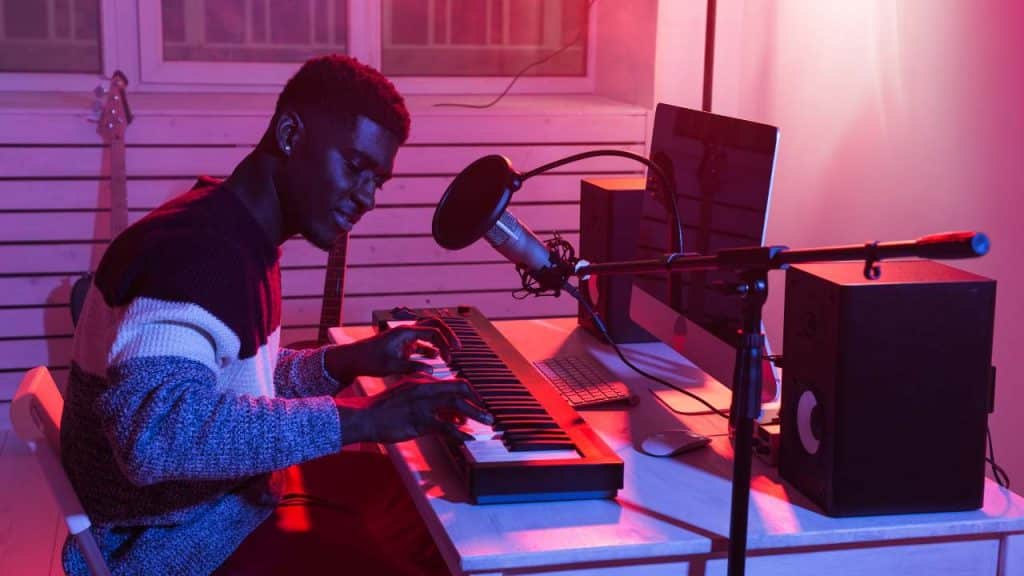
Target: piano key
x=495 y=451
x=540 y=446
x=522 y=433
x=438 y=366
x=495 y=383
x=503 y=392
x=509 y=423
x=512 y=408
x=479 y=430
x=514 y=440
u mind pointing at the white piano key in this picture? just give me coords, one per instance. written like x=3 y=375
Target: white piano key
x=494 y=451
x=439 y=368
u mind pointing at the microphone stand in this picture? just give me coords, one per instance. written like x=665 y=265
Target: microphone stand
x=753 y=265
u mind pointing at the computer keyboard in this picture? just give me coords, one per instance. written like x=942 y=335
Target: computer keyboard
x=582 y=381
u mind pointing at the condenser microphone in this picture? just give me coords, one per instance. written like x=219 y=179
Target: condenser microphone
x=515 y=241
x=473 y=207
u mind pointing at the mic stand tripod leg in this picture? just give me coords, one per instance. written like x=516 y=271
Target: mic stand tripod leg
x=746 y=407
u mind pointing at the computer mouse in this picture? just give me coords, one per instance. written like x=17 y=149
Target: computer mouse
x=672 y=442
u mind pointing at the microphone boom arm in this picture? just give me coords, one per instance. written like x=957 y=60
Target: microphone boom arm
x=666 y=185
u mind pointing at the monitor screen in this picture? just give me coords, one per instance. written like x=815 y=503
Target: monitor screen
x=722 y=170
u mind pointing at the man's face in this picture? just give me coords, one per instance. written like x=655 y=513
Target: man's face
x=333 y=176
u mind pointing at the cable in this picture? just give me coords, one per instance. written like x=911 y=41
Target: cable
x=575 y=40
x=666 y=185
x=998 y=474
x=572 y=291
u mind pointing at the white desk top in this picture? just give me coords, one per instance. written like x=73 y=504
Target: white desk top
x=669 y=507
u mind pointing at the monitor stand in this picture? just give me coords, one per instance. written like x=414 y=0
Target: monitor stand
x=712 y=355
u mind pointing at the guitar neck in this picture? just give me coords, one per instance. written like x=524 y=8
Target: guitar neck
x=334 y=288
x=118 y=188
x=115 y=115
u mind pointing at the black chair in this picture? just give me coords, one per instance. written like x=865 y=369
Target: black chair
x=78 y=291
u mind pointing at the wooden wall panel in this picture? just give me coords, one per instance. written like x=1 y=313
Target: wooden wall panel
x=55 y=202
x=529 y=128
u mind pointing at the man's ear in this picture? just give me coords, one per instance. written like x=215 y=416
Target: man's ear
x=288 y=131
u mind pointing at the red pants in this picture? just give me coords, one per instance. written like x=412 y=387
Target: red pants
x=343 y=514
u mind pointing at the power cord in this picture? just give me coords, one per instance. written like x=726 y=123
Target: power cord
x=573 y=42
x=575 y=293
x=998 y=474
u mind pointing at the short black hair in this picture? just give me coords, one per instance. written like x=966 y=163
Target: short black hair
x=344 y=87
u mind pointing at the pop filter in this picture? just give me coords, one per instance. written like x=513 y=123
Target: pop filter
x=474 y=201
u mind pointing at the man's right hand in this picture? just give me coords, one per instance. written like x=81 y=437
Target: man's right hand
x=418 y=404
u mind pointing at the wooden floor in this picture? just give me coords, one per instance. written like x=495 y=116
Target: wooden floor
x=31 y=531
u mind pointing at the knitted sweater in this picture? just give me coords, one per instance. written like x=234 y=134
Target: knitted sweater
x=180 y=404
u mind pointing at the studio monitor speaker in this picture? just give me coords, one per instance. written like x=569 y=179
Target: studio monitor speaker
x=886 y=386
x=610 y=212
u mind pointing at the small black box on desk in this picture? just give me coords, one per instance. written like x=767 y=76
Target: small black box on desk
x=887 y=386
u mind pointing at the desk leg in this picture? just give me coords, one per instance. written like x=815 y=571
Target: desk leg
x=1011 y=555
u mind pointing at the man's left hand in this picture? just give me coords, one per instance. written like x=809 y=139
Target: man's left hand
x=389 y=352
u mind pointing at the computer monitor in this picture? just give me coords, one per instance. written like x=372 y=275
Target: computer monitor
x=722 y=170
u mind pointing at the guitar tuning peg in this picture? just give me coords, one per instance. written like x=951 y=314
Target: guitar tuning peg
x=99 y=91
x=96 y=112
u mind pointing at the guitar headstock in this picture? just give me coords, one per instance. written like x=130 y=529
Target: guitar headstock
x=114 y=113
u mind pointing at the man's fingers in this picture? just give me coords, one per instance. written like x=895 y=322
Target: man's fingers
x=450 y=429
x=414 y=366
x=450 y=415
x=473 y=411
x=445 y=329
x=463 y=399
x=427 y=349
x=431 y=335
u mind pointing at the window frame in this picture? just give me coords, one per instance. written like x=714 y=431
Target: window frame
x=72 y=81
x=364 y=44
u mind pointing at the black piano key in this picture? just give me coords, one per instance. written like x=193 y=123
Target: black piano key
x=510 y=424
x=516 y=435
x=480 y=362
x=515 y=404
x=485 y=382
x=476 y=356
x=540 y=445
x=489 y=395
x=496 y=384
x=515 y=410
x=496 y=372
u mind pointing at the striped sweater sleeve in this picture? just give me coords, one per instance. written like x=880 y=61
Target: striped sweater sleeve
x=169 y=417
x=302 y=374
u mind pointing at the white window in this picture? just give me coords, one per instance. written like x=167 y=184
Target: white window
x=50 y=36
x=252 y=30
x=483 y=37
x=423 y=45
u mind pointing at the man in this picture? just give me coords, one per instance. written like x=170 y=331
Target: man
x=181 y=409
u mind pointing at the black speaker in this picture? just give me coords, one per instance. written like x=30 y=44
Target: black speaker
x=886 y=386
x=610 y=212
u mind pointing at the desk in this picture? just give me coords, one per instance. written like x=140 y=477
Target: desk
x=672 y=516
